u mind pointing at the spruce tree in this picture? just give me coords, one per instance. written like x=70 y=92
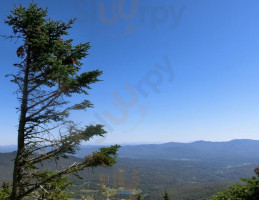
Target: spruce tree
x=47 y=75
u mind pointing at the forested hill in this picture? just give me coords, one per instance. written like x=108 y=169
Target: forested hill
x=233 y=151
x=200 y=170
x=183 y=179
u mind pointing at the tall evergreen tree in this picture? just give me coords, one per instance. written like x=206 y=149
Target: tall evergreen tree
x=47 y=75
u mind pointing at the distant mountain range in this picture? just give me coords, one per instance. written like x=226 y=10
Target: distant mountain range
x=9 y=148
x=236 y=151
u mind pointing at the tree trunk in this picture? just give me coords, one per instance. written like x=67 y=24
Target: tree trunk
x=20 y=160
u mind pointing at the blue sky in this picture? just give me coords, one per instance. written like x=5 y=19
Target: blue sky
x=191 y=66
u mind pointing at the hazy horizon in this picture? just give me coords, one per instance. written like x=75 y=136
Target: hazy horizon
x=145 y=143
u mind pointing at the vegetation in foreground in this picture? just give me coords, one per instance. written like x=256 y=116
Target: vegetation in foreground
x=247 y=191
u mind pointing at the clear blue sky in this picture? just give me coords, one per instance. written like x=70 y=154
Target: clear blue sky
x=192 y=68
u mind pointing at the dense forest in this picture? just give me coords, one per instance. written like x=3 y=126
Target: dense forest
x=182 y=179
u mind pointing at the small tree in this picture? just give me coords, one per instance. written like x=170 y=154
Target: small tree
x=139 y=197
x=5 y=191
x=166 y=196
x=247 y=191
x=47 y=75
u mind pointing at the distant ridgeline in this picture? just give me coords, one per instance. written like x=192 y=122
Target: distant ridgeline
x=235 y=151
x=9 y=148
